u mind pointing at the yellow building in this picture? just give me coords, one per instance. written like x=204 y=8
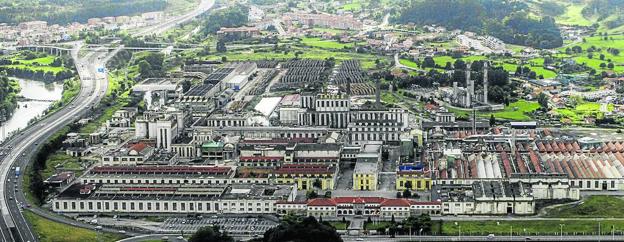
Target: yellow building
x=306 y=176
x=417 y=180
x=365 y=176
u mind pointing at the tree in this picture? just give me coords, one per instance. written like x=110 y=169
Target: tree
x=221 y=46
x=408 y=185
x=317 y=183
x=145 y=68
x=610 y=65
x=328 y=194
x=310 y=194
x=492 y=120
x=210 y=234
x=603 y=65
x=407 y=193
x=602 y=56
x=308 y=230
x=542 y=99
x=428 y=62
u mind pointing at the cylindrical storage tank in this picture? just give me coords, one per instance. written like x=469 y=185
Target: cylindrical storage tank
x=496 y=167
x=481 y=169
x=488 y=168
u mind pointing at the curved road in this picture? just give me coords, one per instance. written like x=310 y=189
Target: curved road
x=24 y=146
x=159 y=28
x=21 y=148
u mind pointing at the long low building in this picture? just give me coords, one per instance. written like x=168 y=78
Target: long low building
x=359 y=206
x=172 y=198
x=498 y=197
x=166 y=175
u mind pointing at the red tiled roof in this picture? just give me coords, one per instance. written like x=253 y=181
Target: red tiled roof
x=260 y=158
x=305 y=169
x=321 y=202
x=396 y=203
x=283 y=141
x=391 y=202
x=289 y=202
x=359 y=199
x=138 y=147
x=162 y=169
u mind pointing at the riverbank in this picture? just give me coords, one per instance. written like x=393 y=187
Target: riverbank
x=9 y=90
x=38 y=97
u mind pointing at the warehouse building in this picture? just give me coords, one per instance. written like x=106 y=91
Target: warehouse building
x=172 y=198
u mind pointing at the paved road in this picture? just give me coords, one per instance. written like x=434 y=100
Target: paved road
x=24 y=146
x=160 y=28
x=484 y=238
x=13 y=225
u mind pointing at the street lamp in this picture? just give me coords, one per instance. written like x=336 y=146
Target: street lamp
x=561 y=230
x=459 y=232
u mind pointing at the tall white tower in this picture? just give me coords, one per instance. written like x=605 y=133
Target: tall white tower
x=485 y=82
x=469 y=86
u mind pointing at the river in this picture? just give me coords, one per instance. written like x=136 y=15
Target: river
x=29 y=109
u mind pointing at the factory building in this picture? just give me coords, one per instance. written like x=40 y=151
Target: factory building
x=306 y=176
x=172 y=198
x=359 y=206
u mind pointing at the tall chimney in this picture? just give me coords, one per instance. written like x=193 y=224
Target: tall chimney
x=349 y=86
x=485 y=82
x=469 y=87
x=377 y=92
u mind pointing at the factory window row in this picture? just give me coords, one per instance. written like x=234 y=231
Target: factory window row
x=168 y=206
x=174 y=181
x=331 y=103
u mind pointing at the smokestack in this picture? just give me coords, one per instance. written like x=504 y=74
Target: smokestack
x=349 y=86
x=469 y=86
x=377 y=92
x=485 y=82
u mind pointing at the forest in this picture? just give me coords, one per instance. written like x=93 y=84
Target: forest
x=8 y=98
x=230 y=17
x=506 y=20
x=68 y=11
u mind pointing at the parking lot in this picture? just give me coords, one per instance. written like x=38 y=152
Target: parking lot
x=233 y=225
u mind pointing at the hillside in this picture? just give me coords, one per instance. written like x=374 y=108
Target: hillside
x=605 y=15
x=67 y=11
x=513 y=22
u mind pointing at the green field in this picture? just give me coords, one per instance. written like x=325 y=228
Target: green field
x=582 y=110
x=530 y=227
x=339 y=225
x=42 y=63
x=50 y=231
x=517 y=111
x=573 y=16
x=376 y=225
x=591 y=207
x=599 y=42
x=327 y=44
x=61 y=160
x=408 y=63
x=353 y=5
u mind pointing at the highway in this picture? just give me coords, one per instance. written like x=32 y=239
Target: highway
x=22 y=148
x=160 y=28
